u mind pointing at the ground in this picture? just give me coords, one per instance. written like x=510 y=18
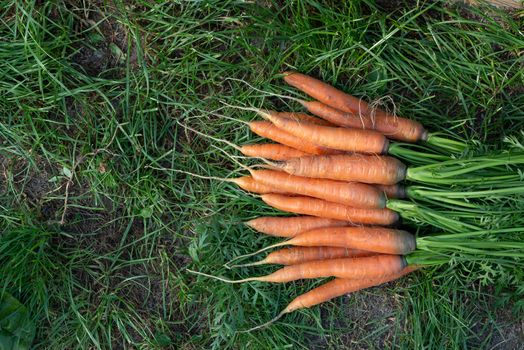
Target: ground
x=99 y=224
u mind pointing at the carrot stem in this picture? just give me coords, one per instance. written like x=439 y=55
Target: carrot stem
x=420 y=213
x=485 y=170
x=415 y=154
x=449 y=145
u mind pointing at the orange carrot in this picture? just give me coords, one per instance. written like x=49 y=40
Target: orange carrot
x=353 y=194
x=246 y=183
x=249 y=184
x=392 y=191
x=272 y=151
x=298 y=255
x=382 y=170
x=344 y=139
x=375 y=266
x=326 y=93
x=268 y=130
x=332 y=289
x=339 y=287
x=321 y=208
x=291 y=226
x=303 y=117
x=396 y=128
x=371 y=239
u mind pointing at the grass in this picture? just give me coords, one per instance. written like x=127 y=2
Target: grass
x=97 y=226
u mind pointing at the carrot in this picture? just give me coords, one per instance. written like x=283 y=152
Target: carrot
x=344 y=139
x=338 y=117
x=268 y=130
x=247 y=183
x=393 y=191
x=326 y=93
x=340 y=286
x=298 y=255
x=364 y=267
x=402 y=128
x=335 y=288
x=353 y=194
x=382 y=170
x=273 y=151
x=291 y=226
x=393 y=127
x=303 y=117
x=371 y=239
x=321 y=208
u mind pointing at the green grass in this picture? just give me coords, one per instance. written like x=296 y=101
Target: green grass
x=92 y=92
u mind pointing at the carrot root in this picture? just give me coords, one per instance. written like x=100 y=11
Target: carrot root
x=281 y=244
x=264 y=325
x=222 y=279
x=332 y=289
x=290 y=226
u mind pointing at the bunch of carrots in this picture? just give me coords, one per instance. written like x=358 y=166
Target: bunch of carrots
x=341 y=172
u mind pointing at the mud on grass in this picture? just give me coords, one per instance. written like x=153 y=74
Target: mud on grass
x=103 y=42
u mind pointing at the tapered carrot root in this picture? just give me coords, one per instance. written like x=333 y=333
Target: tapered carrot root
x=272 y=151
x=371 y=266
x=372 y=239
x=269 y=130
x=344 y=139
x=303 y=117
x=393 y=191
x=321 y=208
x=401 y=128
x=339 y=287
x=326 y=93
x=298 y=255
x=247 y=183
x=333 y=289
x=382 y=170
x=348 y=193
x=365 y=267
x=396 y=128
x=291 y=226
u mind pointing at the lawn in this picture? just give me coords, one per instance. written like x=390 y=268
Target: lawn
x=98 y=224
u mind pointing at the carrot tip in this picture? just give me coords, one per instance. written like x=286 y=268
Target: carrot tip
x=264 y=325
x=265 y=113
